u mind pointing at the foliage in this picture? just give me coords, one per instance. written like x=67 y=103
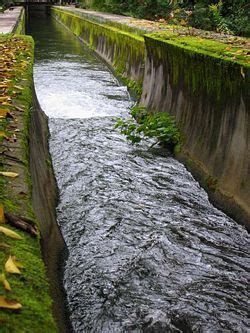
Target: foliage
x=230 y=17
x=140 y=8
x=160 y=126
x=210 y=18
x=226 y=16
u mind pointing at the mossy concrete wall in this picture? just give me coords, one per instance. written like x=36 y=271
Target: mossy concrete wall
x=44 y=200
x=209 y=98
x=33 y=194
x=122 y=50
x=30 y=287
x=205 y=89
x=19 y=28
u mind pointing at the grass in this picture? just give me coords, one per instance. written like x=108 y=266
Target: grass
x=213 y=48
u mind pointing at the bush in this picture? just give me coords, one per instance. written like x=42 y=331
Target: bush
x=140 y=8
x=236 y=14
x=231 y=16
x=151 y=9
x=226 y=16
x=200 y=18
x=160 y=126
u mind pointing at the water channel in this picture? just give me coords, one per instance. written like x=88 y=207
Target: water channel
x=148 y=252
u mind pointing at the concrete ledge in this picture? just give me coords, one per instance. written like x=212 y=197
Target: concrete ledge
x=9 y=20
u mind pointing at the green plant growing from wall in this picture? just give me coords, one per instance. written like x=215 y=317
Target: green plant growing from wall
x=144 y=125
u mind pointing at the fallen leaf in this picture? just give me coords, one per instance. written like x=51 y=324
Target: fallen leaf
x=11 y=267
x=5 y=113
x=8 y=104
x=4 y=246
x=8 y=304
x=5 y=282
x=19 y=108
x=3 y=135
x=8 y=174
x=10 y=233
x=18 y=87
x=5 y=99
x=2 y=219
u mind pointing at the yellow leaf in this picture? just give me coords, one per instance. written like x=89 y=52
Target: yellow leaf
x=3 y=135
x=10 y=233
x=6 y=285
x=3 y=113
x=2 y=220
x=8 y=304
x=5 y=98
x=8 y=174
x=17 y=263
x=18 y=87
x=7 y=104
x=5 y=282
x=4 y=246
x=10 y=266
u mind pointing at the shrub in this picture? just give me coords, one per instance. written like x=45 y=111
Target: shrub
x=218 y=21
x=227 y=16
x=159 y=126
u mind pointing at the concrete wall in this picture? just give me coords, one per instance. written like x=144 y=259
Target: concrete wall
x=122 y=50
x=209 y=98
x=44 y=201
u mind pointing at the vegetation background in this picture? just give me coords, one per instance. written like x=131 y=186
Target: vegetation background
x=225 y=16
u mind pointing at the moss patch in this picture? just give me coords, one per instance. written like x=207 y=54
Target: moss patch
x=207 y=47
x=31 y=287
x=198 y=72
x=20 y=27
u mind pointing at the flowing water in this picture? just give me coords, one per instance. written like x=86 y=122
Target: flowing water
x=148 y=252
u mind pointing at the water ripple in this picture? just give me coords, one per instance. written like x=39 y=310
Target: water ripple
x=148 y=252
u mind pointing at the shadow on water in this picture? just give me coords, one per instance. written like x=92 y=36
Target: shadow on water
x=147 y=250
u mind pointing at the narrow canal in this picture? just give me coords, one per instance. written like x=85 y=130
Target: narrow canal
x=147 y=250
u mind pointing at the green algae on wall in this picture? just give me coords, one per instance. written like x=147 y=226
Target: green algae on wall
x=30 y=288
x=207 y=91
x=20 y=26
x=201 y=65
x=105 y=21
x=123 y=50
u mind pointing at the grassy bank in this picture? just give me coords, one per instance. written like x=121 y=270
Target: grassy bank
x=28 y=289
